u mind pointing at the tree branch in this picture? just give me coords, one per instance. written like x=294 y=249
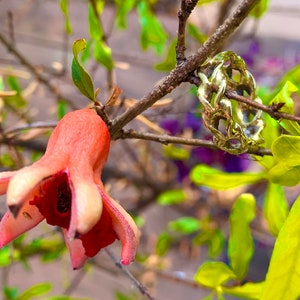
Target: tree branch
x=182 y=71
x=166 y=139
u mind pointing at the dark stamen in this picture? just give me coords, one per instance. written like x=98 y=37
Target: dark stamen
x=64 y=198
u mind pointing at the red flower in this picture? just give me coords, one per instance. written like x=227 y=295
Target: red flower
x=64 y=187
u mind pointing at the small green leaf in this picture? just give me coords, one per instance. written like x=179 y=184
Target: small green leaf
x=65 y=10
x=248 y=290
x=260 y=9
x=95 y=29
x=240 y=243
x=163 y=243
x=10 y=293
x=185 y=225
x=102 y=54
x=61 y=109
x=80 y=76
x=284 y=96
x=170 y=60
x=275 y=207
x=196 y=34
x=213 y=274
x=121 y=296
x=123 y=8
x=283 y=277
x=35 y=290
x=152 y=32
x=171 y=197
x=219 y=180
x=286 y=152
x=176 y=152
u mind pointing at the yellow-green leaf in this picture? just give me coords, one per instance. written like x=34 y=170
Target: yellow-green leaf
x=219 y=180
x=240 y=244
x=248 y=290
x=275 y=207
x=283 y=277
x=213 y=274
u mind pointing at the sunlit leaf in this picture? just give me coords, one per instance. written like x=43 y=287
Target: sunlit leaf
x=248 y=290
x=163 y=243
x=65 y=10
x=284 y=96
x=216 y=179
x=80 y=76
x=171 y=197
x=185 y=225
x=275 y=207
x=170 y=59
x=123 y=8
x=283 y=277
x=286 y=152
x=35 y=290
x=17 y=100
x=152 y=31
x=213 y=274
x=240 y=243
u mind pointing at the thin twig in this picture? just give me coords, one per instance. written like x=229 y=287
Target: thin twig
x=271 y=110
x=125 y=271
x=166 y=139
x=182 y=71
x=184 y=12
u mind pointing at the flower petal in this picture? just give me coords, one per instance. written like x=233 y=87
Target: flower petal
x=24 y=183
x=4 y=180
x=86 y=203
x=76 y=250
x=124 y=226
x=10 y=227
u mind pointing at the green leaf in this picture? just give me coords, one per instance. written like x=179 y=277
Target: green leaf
x=284 y=96
x=196 y=34
x=248 y=290
x=185 y=225
x=10 y=293
x=35 y=290
x=163 y=243
x=213 y=274
x=283 y=277
x=5 y=256
x=65 y=10
x=275 y=207
x=171 y=197
x=286 y=153
x=170 y=60
x=260 y=9
x=219 y=180
x=123 y=8
x=240 y=243
x=61 y=109
x=80 y=76
x=102 y=54
x=152 y=32
x=95 y=28
x=17 y=100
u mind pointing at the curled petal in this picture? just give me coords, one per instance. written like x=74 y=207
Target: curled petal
x=4 y=180
x=124 y=226
x=86 y=204
x=23 y=184
x=76 y=250
x=10 y=227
